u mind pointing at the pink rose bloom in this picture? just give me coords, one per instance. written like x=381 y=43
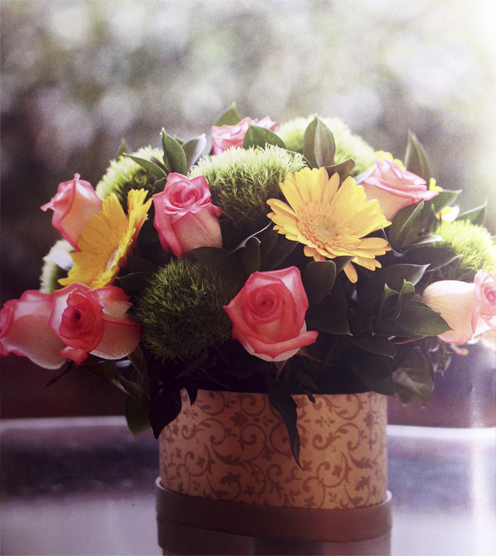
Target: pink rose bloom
x=268 y=315
x=73 y=207
x=185 y=217
x=394 y=187
x=24 y=330
x=232 y=135
x=469 y=309
x=93 y=321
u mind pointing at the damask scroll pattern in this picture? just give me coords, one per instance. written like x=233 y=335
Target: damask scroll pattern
x=234 y=446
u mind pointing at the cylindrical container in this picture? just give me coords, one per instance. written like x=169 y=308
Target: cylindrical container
x=226 y=465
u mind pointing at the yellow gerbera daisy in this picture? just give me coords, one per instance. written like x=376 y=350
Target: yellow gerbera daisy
x=106 y=241
x=331 y=221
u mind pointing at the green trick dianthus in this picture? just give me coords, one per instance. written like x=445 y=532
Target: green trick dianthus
x=348 y=145
x=125 y=174
x=55 y=266
x=181 y=310
x=241 y=180
x=474 y=246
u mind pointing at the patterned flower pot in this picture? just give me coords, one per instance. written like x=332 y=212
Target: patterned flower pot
x=226 y=465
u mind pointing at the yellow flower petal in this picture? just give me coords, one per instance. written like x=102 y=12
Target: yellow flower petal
x=106 y=241
x=329 y=219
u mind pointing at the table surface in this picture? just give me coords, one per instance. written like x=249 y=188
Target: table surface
x=87 y=486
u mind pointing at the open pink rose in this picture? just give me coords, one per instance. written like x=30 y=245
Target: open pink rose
x=469 y=309
x=93 y=321
x=394 y=187
x=232 y=135
x=268 y=315
x=185 y=217
x=24 y=330
x=73 y=207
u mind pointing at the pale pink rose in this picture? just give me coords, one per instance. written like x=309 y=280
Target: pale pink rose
x=394 y=187
x=268 y=315
x=185 y=217
x=93 y=321
x=24 y=330
x=73 y=207
x=469 y=309
x=232 y=135
x=485 y=293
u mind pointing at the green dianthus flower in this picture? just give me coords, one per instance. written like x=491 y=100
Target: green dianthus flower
x=181 y=311
x=125 y=174
x=55 y=266
x=474 y=246
x=241 y=180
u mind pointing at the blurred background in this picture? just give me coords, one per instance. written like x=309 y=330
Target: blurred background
x=77 y=76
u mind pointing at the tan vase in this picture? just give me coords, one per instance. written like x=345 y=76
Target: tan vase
x=226 y=465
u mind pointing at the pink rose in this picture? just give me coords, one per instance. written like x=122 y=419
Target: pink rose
x=93 y=321
x=268 y=315
x=469 y=309
x=232 y=135
x=394 y=187
x=185 y=217
x=73 y=207
x=24 y=330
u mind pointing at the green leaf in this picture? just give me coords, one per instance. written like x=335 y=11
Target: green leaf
x=392 y=276
x=386 y=327
x=375 y=344
x=332 y=322
x=413 y=378
x=372 y=369
x=318 y=279
x=341 y=262
x=406 y=225
x=285 y=405
x=416 y=160
x=165 y=407
x=419 y=320
x=250 y=256
x=257 y=136
x=282 y=249
x=229 y=117
x=132 y=283
x=426 y=240
x=137 y=264
x=435 y=257
x=137 y=415
x=344 y=168
x=174 y=155
x=406 y=294
x=444 y=198
x=123 y=149
x=193 y=149
x=475 y=216
x=318 y=144
x=148 y=165
x=268 y=239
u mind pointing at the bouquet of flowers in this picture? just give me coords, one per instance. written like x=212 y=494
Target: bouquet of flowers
x=289 y=260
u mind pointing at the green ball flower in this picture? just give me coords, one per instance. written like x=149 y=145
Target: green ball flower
x=125 y=174
x=181 y=311
x=347 y=144
x=55 y=266
x=241 y=180
x=474 y=246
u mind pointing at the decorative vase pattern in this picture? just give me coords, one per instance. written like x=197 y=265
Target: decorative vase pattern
x=234 y=447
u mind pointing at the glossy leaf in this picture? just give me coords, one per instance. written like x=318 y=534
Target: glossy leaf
x=148 y=165
x=318 y=144
x=475 y=216
x=375 y=344
x=416 y=159
x=137 y=415
x=422 y=321
x=250 y=256
x=435 y=257
x=318 y=279
x=174 y=155
x=413 y=378
x=229 y=117
x=257 y=136
x=344 y=168
x=406 y=225
x=373 y=370
x=193 y=149
x=285 y=405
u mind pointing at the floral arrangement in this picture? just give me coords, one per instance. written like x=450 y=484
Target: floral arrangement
x=290 y=260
